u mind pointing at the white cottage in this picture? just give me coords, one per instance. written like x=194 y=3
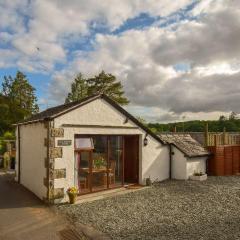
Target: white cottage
x=93 y=144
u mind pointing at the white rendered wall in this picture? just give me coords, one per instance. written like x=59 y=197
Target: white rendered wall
x=154 y=162
x=196 y=165
x=153 y=158
x=33 y=152
x=179 y=165
x=183 y=167
x=97 y=112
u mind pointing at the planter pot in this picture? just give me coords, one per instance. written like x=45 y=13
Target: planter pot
x=198 y=178
x=148 y=182
x=72 y=198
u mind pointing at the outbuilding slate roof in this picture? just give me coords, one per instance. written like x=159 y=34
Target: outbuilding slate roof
x=185 y=143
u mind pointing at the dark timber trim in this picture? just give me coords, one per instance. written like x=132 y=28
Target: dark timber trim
x=97 y=126
x=65 y=108
x=19 y=155
x=170 y=161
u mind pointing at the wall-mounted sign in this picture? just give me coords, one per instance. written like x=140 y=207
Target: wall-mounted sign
x=64 y=142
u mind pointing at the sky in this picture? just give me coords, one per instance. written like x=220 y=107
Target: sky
x=177 y=60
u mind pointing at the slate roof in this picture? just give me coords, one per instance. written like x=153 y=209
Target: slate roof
x=185 y=143
x=54 y=112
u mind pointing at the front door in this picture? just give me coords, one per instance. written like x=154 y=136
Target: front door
x=131 y=155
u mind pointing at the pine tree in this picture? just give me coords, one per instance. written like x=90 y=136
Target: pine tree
x=21 y=93
x=102 y=83
x=79 y=89
x=107 y=84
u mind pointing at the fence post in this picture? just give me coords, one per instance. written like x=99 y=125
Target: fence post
x=215 y=140
x=206 y=135
x=224 y=136
x=175 y=129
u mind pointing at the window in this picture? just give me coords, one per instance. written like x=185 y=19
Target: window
x=83 y=143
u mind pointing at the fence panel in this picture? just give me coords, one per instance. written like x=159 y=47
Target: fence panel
x=228 y=160
x=224 y=161
x=236 y=159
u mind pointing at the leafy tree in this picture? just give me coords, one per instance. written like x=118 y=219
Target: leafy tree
x=222 y=118
x=102 y=83
x=107 y=83
x=233 y=116
x=142 y=120
x=79 y=89
x=6 y=85
x=198 y=126
x=8 y=136
x=20 y=91
x=17 y=101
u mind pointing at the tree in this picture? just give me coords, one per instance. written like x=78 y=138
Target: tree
x=20 y=91
x=17 y=101
x=6 y=85
x=79 y=89
x=102 y=83
x=233 y=116
x=107 y=83
x=222 y=118
x=142 y=120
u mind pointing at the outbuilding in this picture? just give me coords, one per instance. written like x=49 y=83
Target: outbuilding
x=93 y=144
x=188 y=157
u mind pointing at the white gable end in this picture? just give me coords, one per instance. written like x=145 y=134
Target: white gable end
x=98 y=112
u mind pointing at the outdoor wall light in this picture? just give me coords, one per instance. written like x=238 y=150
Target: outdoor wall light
x=145 y=141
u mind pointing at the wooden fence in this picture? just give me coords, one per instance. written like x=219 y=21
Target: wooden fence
x=225 y=160
x=224 y=138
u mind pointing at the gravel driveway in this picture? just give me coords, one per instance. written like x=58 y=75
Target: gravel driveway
x=168 y=210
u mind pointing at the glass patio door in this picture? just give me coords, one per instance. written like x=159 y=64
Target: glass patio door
x=100 y=162
x=115 y=168
x=84 y=171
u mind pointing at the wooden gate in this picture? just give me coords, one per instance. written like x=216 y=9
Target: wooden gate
x=224 y=161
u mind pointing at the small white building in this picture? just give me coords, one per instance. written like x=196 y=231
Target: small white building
x=187 y=155
x=93 y=144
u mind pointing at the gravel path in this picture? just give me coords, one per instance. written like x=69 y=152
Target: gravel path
x=168 y=210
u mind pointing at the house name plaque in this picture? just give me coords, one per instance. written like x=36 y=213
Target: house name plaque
x=64 y=142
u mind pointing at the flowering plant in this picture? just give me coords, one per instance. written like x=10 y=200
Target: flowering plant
x=72 y=190
x=99 y=162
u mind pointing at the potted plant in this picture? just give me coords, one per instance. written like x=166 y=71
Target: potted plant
x=72 y=194
x=198 y=176
x=148 y=181
x=99 y=162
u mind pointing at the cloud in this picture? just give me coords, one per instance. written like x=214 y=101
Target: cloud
x=12 y=15
x=195 y=93
x=54 y=26
x=144 y=60
x=212 y=39
x=190 y=65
